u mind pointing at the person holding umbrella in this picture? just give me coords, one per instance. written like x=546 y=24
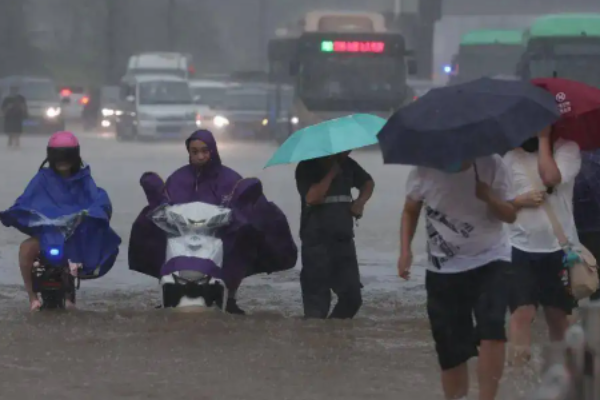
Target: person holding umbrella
x=544 y=170
x=452 y=136
x=325 y=177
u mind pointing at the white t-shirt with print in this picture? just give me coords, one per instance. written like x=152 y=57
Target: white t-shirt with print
x=532 y=232
x=462 y=234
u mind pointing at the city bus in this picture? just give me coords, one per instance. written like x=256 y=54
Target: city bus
x=565 y=46
x=486 y=53
x=334 y=72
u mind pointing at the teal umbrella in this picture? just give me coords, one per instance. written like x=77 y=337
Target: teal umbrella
x=329 y=137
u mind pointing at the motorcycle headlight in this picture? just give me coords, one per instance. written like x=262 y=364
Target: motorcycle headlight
x=265 y=122
x=220 y=121
x=294 y=120
x=107 y=112
x=53 y=112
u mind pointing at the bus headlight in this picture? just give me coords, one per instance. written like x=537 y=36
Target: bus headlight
x=107 y=112
x=220 y=121
x=53 y=112
x=294 y=120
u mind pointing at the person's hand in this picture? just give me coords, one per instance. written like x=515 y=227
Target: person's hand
x=404 y=264
x=545 y=133
x=357 y=209
x=532 y=199
x=335 y=168
x=483 y=191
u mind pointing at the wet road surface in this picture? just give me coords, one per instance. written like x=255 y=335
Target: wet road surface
x=118 y=346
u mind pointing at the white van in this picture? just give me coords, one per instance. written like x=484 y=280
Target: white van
x=155 y=107
x=176 y=64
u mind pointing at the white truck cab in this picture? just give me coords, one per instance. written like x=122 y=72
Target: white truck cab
x=155 y=107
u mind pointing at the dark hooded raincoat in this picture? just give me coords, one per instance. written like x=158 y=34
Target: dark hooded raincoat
x=258 y=240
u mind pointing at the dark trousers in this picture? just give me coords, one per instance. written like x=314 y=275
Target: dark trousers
x=330 y=265
x=591 y=240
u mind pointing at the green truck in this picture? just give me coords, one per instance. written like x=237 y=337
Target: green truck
x=565 y=46
x=486 y=53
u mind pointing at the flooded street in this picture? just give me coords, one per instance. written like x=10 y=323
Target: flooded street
x=118 y=346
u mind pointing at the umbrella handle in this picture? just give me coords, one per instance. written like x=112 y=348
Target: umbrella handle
x=476 y=172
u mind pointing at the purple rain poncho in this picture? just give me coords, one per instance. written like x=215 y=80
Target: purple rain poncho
x=258 y=240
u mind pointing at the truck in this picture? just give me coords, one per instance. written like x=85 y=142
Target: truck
x=161 y=63
x=339 y=63
x=564 y=46
x=486 y=53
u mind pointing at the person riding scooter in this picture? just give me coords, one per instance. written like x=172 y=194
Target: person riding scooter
x=56 y=198
x=206 y=181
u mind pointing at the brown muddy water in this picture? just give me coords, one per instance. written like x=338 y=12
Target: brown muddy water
x=118 y=346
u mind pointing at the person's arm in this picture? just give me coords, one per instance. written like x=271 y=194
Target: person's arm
x=567 y=159
x=363 y=182
x=547 y=167
x=25 y=108
x=408 y=224
x=409 y=221
x=313 y=189
x=498 y=196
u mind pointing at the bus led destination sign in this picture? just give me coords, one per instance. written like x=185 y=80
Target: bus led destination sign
x=342 y=46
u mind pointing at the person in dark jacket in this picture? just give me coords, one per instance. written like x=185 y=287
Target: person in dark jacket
x=14 y=112
x=586 y=204
x=329 y=261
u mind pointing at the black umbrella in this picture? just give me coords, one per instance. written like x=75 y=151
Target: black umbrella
x=463 y=122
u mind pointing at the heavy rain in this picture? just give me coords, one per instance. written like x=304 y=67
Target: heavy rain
x=132 y=79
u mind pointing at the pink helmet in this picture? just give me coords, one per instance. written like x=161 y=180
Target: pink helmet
x=63 y=146
x=63 y=139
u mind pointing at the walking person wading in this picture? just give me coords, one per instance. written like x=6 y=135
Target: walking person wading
x=14 y=112
x=540 y=277
x=469 y=252
x=329 y=260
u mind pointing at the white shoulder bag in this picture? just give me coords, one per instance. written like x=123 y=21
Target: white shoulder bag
x=583 y=273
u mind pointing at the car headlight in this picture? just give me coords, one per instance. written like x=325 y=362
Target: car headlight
x=265 y=122
x=220 y=121
x=294 y=120
x=118 y=113
x=198 y=120
x=108 y=112
x=53 y=112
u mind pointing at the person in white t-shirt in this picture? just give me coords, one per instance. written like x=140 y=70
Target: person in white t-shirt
x=469 y=253
x=539 y=273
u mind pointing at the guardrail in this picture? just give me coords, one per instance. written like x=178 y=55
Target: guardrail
x=572 y=369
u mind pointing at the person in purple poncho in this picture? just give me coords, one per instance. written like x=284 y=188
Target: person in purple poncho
x=249 y=244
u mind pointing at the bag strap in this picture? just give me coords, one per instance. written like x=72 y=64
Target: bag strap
x=556 y=227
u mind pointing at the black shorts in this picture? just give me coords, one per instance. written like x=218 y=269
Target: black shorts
x=591 y=240
x=540 y=279
x=453 y=300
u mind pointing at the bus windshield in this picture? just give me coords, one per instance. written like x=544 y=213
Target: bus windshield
x=571 y=59
x=581 y=68
x=493 y=60
x=352 y=78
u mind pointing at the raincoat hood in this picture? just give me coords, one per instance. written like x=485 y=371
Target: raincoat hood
x=208 y=138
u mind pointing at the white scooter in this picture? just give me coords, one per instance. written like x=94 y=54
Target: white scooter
x=192 y=273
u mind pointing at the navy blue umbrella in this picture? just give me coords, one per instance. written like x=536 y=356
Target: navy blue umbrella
x=459 y=123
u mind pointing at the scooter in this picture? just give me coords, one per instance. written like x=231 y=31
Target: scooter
x=192 y=274
x=54 y=277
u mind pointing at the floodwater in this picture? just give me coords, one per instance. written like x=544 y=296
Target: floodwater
x=118 y=346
